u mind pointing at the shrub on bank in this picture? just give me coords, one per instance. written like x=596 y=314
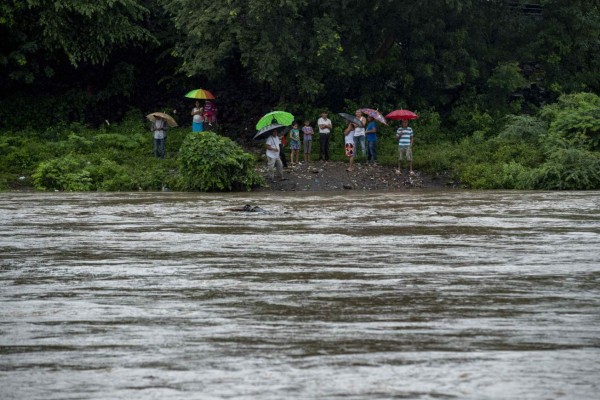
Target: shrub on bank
x=209 y=162
x=79 y=173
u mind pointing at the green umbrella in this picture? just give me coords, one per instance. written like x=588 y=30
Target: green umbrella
x=281 y=117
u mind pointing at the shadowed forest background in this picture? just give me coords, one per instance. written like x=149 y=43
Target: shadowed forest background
x=507 y=91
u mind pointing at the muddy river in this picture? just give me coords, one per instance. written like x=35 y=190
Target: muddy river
x=426 y=295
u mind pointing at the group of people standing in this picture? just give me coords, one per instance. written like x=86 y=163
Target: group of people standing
x=363 y=135
x=203 y=114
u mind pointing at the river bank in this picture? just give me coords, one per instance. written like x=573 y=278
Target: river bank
x=333 y=176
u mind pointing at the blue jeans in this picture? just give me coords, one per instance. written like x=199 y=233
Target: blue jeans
x=361 y=140
x=159 y=148
x=371 y=151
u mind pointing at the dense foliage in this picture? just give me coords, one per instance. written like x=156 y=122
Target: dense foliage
x=75 y=158
x=516 y=80
x=209 y=162
x=453 y=56
x=556 y=149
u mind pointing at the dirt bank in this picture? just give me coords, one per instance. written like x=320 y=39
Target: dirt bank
x=332 y=176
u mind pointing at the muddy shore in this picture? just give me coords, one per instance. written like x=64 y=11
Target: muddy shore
x=333 y=176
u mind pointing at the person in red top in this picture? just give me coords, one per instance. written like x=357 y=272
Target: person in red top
x=282 y=150
x=210 y=112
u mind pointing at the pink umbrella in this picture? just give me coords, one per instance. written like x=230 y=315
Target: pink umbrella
x=373 y=113
x=402 y=114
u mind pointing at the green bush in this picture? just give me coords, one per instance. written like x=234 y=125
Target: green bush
x=576 y=117
x=482 y=176
x=209 y=162
x=118 y=141
x=428 y=128
x=154 y=174
x=522 y=128
x=468 y=119
x=435 y=158
x=65 y=173
x=88 y=173
x=568 y=169
x=107 y=175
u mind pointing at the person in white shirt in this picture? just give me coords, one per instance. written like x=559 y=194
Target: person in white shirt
x=324 y=132
x=273 y=161
x=159 y=127
x=197 y=118
x=359 y=135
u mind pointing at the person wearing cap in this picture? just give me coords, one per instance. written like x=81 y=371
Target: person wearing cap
x=324 y=124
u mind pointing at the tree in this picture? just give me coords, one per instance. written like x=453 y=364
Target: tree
x=567 y=43
x=40 y=34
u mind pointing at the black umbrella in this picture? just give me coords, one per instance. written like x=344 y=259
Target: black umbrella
x=266 y=131
x=352 y=119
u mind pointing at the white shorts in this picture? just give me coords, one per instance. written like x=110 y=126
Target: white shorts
x=407 y=151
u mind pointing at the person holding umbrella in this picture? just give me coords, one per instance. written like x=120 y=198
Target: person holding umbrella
x=197 y=118
x=159 y=127
x=359 y=134
x=405 y=137
x=273 y=161
x=371 y=133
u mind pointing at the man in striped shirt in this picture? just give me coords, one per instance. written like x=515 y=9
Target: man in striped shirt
x=405 y=137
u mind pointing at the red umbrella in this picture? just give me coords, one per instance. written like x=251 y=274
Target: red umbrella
x=373 y=113
x=402 y=114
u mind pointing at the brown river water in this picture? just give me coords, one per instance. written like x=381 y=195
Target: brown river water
x=423 y=294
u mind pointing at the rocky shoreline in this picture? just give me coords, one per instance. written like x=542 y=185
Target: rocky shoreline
x=332 y=176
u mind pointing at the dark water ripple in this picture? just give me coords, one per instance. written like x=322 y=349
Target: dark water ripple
x=391 y=295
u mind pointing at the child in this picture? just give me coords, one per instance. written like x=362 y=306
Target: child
x=307 y=130
x=283 y=142
x=210 y=112
x=295 y=143
x=349 y=143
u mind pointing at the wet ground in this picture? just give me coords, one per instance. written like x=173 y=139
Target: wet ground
x=320 y=176
x=412 y=294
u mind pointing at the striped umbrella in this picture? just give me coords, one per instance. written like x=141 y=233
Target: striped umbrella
x=376 y=115
x=200 y=94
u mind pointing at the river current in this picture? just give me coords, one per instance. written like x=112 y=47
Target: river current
x=413 y=294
